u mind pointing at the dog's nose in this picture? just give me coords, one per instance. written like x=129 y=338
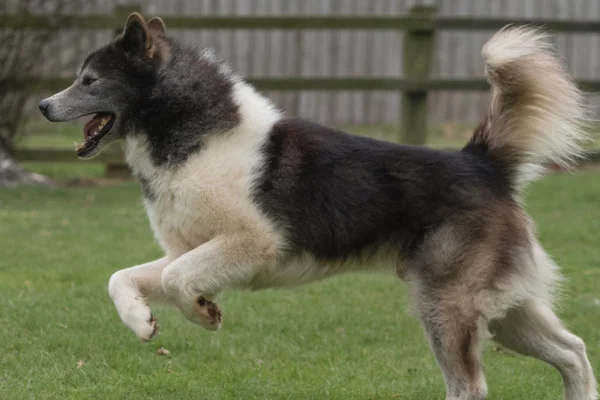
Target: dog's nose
x=44 y=104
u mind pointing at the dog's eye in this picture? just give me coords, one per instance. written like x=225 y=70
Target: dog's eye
x=88 y=81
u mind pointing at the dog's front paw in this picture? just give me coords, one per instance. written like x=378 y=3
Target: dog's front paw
x=132 y=307
x=147 y=329
x=140 y=320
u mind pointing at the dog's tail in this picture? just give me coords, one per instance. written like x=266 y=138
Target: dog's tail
x=537 y=114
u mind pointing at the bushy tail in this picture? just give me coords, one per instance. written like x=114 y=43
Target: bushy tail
x=537 y=114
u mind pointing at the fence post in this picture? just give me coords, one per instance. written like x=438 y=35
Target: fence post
x=417 y=56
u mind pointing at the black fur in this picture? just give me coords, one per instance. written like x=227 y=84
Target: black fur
x=506 y=159
x=175 y=99
x=135 y=35
x=343 y=195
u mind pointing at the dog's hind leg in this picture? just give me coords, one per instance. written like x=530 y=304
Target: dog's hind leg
x=534 y=330
x=132 y=289
x=456 y=335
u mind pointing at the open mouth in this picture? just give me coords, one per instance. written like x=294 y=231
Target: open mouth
x=93 y=131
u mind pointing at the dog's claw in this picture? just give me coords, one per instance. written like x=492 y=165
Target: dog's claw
x=155 y=325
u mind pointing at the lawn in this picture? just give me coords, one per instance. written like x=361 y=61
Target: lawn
x=350 y=337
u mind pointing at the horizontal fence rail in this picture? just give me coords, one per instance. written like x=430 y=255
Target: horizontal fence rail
x=420 y=27
x=297 y=22
x=116 y=167
x=321 y=84
x=64 y=155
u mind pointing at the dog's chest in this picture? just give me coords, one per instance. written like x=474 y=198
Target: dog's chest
x=190 y=204
x=182 y=220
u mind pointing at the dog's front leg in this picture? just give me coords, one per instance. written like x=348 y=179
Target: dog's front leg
x=195 y=278
x=132 y=290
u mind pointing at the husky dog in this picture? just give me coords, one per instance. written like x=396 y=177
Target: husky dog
x=240 y=196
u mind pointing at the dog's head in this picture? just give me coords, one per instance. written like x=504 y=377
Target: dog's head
x=111 y=83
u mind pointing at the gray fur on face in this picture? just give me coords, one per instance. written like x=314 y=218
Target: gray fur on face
x=175 y=96
x=89 y=94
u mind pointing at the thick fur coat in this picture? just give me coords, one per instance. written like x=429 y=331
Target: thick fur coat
x=240 y=196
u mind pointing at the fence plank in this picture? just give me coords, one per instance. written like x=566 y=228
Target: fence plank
x=418 y=51
x=27 y=21
x=54 y=155
x=338 y=49
x=115 y=159
x=319 y=84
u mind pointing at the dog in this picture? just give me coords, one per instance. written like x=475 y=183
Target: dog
x=240 y=196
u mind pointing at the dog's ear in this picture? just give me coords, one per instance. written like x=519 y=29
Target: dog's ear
x=136 y=37
x=157 y=25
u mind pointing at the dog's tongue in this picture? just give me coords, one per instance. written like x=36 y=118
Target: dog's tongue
x=91 y=126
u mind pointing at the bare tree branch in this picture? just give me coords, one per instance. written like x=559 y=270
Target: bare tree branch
x=23 y=53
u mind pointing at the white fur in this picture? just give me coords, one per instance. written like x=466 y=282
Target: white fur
x=213 y=235
x=210 y=194
x=132 y=289
x=536 y=106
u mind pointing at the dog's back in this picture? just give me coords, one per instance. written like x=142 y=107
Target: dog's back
x=343 y=196
x=453 y=221
x=350 y=197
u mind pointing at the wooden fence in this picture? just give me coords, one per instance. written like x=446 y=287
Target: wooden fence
x=419 y=27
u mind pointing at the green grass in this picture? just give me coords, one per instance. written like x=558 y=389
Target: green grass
x=349 y=337
x=60 y=171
